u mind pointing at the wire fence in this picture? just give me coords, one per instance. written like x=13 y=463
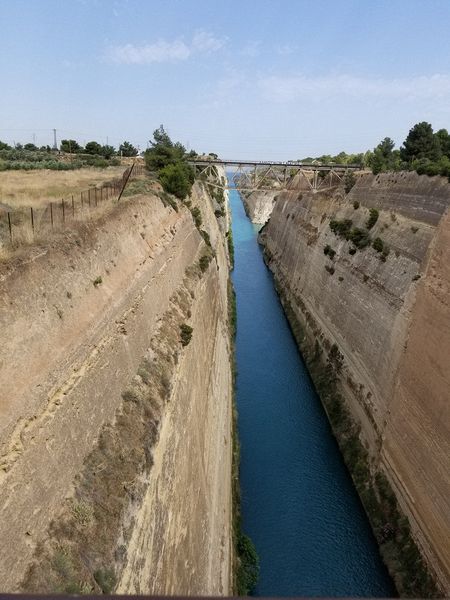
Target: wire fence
x=26 y=224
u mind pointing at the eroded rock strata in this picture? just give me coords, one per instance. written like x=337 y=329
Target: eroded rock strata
x=116 y=404
x=367 y=293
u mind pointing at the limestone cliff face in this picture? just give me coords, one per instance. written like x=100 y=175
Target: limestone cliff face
x=114 y=422
x=259 y=205
x=389 y=319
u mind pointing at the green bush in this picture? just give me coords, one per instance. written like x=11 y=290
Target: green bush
x=359 y=237
x=341 y=228
x=185 y=334
x=175 y=181
x=377 y=244
x=373 y=218
x=356 y=205
x=106 y=579
x=328 y=251
x=204 y=262
x=248 y=567
x=197 y=216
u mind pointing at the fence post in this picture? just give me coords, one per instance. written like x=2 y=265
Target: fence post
x=51 y=213
x=10 y=226
x=32 y=219
x=63 y=211
x=89 y=197
x=95 y=189
x=73 y=208
x=81 y=199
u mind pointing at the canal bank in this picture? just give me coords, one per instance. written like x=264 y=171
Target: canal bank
x=299 y=505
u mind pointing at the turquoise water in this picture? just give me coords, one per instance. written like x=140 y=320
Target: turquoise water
x=299 y=505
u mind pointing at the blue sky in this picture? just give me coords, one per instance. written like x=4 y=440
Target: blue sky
x=277 y=79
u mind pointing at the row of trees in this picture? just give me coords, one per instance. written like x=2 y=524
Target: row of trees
x=169 y=161
x=73 y=147
x=423 y=150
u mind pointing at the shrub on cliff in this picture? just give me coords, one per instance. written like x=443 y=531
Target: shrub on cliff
x=373 y=218
x=175 y=181
x=185 y=334
x=197 y=216
x=377 y=244
x=204 y=261
x=248 y=568
x=328 y=251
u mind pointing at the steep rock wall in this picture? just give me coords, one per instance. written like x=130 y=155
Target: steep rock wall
x=259 y=205
x=111 y=431
x=389 y=321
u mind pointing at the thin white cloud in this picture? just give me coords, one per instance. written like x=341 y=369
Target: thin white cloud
x=288 y=89
x=286 y=49
x=205 y=41
x=252 y=49
x=164 y=51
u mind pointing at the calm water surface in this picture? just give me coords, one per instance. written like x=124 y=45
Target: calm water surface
x=298 y=502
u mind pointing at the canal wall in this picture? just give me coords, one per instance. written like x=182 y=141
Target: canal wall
x=116 y=405
x=373 y=321
x=259 y=205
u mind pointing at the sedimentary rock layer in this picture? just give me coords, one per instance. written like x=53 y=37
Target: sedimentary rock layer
x=115 y=438
x=389 y=317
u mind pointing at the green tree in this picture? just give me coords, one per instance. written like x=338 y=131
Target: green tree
x=383 y=157
x=4 y=146
x=163 y=151
x=127 y=149
x=93 y=148
x=421 y=143
x=107 y=151
x=30 y=147
x=71 y=146
x=444 y=141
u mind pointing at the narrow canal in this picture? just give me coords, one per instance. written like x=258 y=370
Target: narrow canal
x=299 y=505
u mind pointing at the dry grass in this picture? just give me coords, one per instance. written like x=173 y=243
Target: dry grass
x=38 y=188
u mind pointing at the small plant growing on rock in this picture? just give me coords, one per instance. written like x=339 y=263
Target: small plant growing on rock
x=373 y=218
x=356 y=205
x=204 y=261
x=205 y=236
x=97 y=281
x=328 y=251
x=185 y=334
x=106 y=579
x=377 y=244
x=329 y=269
x=384 y=253
x=197 y=216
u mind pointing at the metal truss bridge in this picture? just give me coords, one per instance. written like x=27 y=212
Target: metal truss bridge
x=251 y=175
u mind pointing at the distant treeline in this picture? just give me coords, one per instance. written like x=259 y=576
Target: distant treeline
x=29 y=156
x=424 y=151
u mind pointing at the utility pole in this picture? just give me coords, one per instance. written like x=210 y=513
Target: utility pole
x=55 y=147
